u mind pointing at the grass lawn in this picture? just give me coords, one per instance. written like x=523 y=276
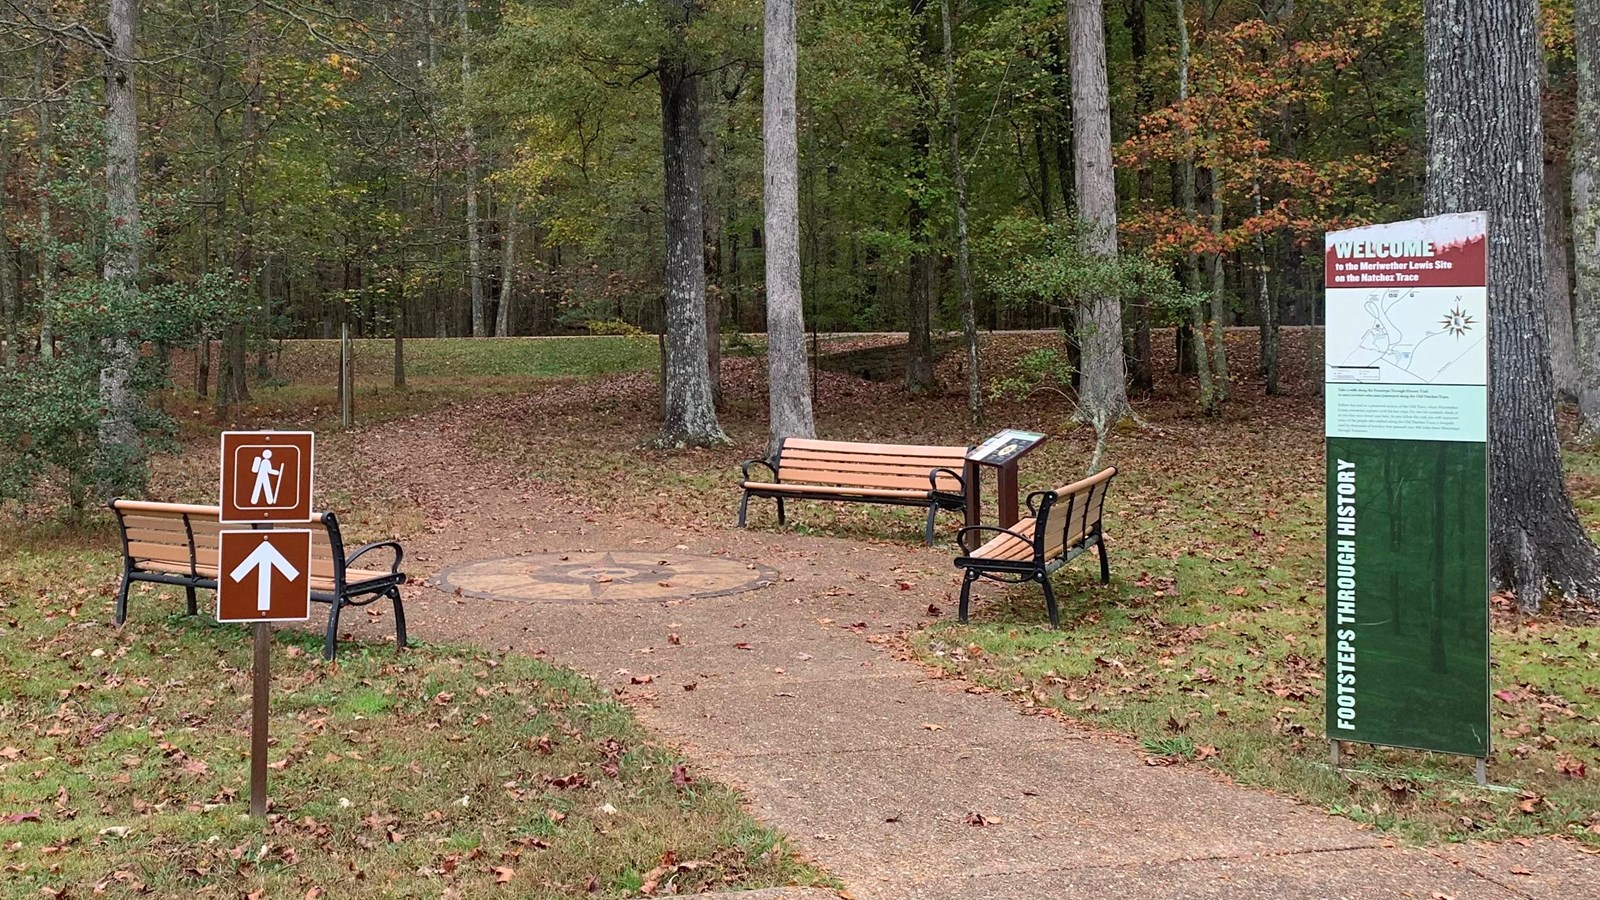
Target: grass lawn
x=438 y=371
x=443 y=771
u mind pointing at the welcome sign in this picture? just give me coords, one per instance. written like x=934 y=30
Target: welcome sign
x=1406 y=393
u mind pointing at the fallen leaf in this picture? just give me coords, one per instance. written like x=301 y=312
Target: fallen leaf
x=1571 y=766
x=503 y=874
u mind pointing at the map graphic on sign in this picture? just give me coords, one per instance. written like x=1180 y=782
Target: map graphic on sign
x=266 y=476
x=1418 y=335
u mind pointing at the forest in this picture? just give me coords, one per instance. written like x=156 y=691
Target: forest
x=422 y=168
x=218 y=177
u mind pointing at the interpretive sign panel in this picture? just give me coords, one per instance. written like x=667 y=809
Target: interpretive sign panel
x=1407 y=439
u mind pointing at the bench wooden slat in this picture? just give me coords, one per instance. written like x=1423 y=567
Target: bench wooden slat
x=814 y=465
x=155 y=523
x=855 y=449
x=867 y=479
x=164 y=552
x=921 y=463
x=839 y=489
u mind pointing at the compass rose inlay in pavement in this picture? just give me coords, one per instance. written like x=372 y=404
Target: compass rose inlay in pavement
x=604 y=577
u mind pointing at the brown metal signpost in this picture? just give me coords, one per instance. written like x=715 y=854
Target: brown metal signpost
x=264 y=576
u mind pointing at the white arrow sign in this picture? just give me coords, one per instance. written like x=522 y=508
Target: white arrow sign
x=262 y=560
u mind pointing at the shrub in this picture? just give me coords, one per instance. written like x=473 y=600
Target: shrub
x=49 y=430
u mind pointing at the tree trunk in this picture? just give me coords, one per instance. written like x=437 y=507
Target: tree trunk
x=958 y=175
x=44 y=80
x=1586 y=216
x=1103 y=388
x=1219 y=302
x=788 y=383
x=1558 y=238
x=1485 y=140
x=480 y=323
x=1141 y=367
x=233 y=378
x=690 y=416
x=119 y=444
x=9 y=300
x=921 y=266
x=503 y=320
x=1199 y=356
x=1266 y=306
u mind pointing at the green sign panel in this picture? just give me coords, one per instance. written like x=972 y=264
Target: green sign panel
x=1407 y=439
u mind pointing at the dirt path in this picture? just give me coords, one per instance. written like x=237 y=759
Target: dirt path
x=903 y=784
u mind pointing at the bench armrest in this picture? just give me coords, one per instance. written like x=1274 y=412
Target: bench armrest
x=399 y=554
x=933 y=478
x=744 y=468
x=961 y=536
x=1034 y=498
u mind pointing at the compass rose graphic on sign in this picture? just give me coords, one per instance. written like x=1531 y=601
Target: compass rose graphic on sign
x=1456 y=321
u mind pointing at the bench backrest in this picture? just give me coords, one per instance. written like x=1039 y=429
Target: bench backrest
x=1068 y=515
x=846 y=464
x=185 y=535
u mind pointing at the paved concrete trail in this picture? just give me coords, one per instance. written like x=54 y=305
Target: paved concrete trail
x=873 y=767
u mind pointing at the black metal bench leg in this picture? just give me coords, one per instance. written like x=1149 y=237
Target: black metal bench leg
x=122 y=598
x=189 y=593
x=399 y=619
x=744 y=507
x=330 y=643
x=966 y=593
x=1105 y=562
x=782 y=518
x=1050 y=600
x=933 y=510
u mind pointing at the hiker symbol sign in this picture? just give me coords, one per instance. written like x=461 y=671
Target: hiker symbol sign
x=266 y=476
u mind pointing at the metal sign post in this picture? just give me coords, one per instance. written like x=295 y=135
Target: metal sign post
x=262 y=679
x=263 y=575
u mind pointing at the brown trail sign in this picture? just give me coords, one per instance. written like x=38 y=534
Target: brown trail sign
x=266 y=476
x=264 y=576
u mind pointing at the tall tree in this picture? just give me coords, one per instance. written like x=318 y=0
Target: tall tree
x=788 y=382
x=958 y=175
x=480 y=323
x=10 y=301
x=921 y=265
x=503 y=320
x=690 y=415
x=44 y=84
x=1586 y=215
x=1485 y=141
x=119 y=442
x=1103 y=385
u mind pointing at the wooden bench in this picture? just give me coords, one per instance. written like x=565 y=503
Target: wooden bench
x=1064 y=524
x=176 y=544
x=898 y=474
